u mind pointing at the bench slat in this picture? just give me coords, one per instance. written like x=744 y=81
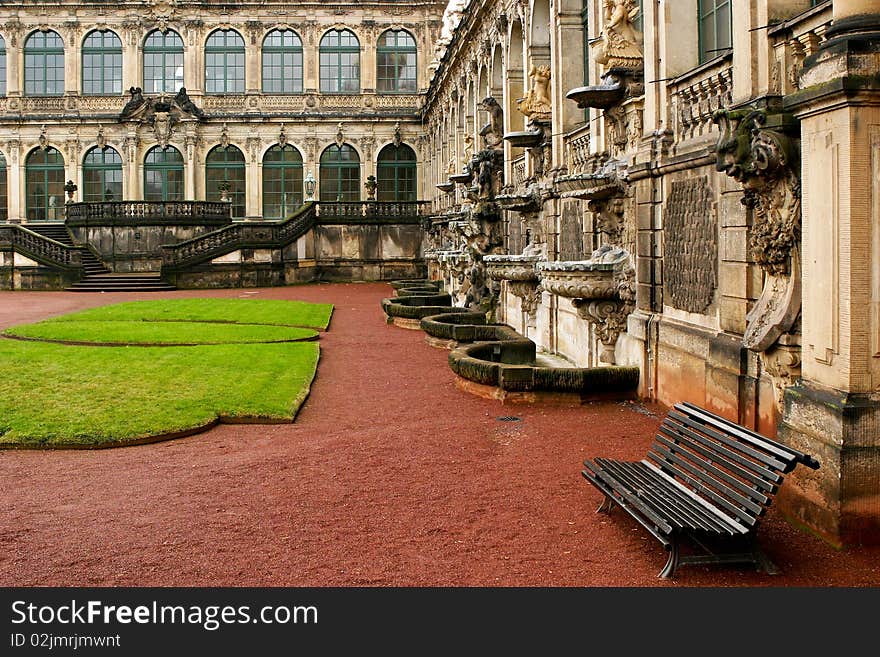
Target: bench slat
x=716 y=457
x=661 y=525
x=733 y=446
x=662 y=454
x=742 y=522
x=627 y=474
x=747 y=434
x=697 y=516
x=709 y=465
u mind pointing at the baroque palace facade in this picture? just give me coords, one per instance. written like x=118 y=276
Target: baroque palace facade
x=90 y=92
x=691 y=187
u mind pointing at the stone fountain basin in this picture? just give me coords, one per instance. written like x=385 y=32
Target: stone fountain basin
x=445 y=187
x=519 y=202
x=512 y=267
x=599 y=96
x=462 y=178
x=589 y=186
x=525 y=138
x=584 y=279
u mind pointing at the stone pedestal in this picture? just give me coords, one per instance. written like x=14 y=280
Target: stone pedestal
x=834 y=413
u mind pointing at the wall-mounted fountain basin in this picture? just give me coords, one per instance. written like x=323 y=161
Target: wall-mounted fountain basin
x=600 y=96
x=525 y=138
x=447 y=186
x=462 y=178
x=520 y=268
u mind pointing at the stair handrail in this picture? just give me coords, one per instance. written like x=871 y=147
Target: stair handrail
x=39 y=247
x=262 y=234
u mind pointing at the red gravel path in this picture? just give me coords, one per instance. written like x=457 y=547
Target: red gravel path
x=389 y=476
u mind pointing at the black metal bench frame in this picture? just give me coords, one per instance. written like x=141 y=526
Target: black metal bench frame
x=704 y=479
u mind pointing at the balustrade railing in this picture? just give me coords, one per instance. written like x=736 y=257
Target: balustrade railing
x=518 y=170
x=144 y=212
x=372 y=210
x=696 y=96
x=793 y=41
x=577 y=149
x=39 y=247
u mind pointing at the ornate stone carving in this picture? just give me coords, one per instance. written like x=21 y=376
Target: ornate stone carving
x=760 y=151
x=690 y=247
x=493 y=131
x=609 y=215
x=537 y=103
x=43 y=140
x=783 y=363
x=621 y=45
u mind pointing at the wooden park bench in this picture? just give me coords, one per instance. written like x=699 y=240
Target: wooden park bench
x=705 y=479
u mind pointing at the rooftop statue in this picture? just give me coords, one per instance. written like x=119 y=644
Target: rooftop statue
x=621 y=45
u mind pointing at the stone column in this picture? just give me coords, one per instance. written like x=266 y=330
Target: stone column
x=14 y=167
x=568 y=68
x=833 y=413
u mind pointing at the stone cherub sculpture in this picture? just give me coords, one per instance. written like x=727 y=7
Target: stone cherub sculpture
x=621 y=45
x=493 y=132
x=537 y=103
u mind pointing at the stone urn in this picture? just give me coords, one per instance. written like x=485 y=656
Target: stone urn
x=601 y=289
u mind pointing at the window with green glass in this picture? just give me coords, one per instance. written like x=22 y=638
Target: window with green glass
x=163 y=174
x=396 y=62
x=163 y=62
x=340 y=174
x=396 y=174
x=282 y=63
x=44 y=64
x=2 y=67
x=585 y=25
x=102 y=63
x=224 y=63
x=102 y=175
x=225 y=166
x=716 y=37
x=44 y=184
x=340 y=55
x=282 y=181
x=4 y=195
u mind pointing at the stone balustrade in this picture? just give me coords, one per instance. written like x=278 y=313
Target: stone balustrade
x=792 y=42
x=696 y=95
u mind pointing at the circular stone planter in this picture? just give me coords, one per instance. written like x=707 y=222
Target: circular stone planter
x=448 y=330
x=414 y=282
x=407 y=312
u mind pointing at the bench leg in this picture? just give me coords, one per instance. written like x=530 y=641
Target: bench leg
x=671 y=563
x=607 y=505
x=763 y=563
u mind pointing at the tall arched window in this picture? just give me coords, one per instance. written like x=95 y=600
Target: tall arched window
x=4 y=196
x=716 y=34
x=396 y=173
x=44 y=64
x=225 y=165
x=102 y=175
x=44 y=181
x=340 y=62
x=224 y=63
x=396 y=62
x=102 y=63
x=282 y=181
x=163 y=62
x=340 y=174
x=2 y=67
x=282 y=63
x=163 y=174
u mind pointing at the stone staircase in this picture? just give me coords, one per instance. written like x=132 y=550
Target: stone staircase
x=97 y=278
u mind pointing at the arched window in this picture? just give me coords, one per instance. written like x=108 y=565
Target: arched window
x=163 y=174
x=282 y=63
x=4 y=196
x=102 y=175
x=282 y=181
x=340 y=62
x=2 y=67
x=44 y=64
x=224 y=63
x=44 y=174
x=396 y=62
x=163 y=62
x=340 y=174
x=225 y=165
x=102 y=63
x=716 y=34
x=396 y=173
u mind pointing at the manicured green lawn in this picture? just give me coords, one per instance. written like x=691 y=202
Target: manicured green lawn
x=54 y=395
x=158 y=333
x=240 y=311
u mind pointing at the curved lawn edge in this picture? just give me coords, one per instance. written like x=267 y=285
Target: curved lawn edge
x=76 y=343
x=222 y=418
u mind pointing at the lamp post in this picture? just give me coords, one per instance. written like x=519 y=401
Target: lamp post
x=310 y=184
